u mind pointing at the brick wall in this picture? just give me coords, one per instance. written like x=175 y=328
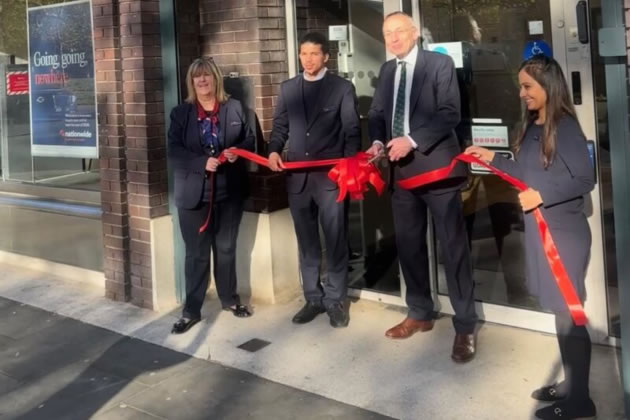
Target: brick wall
x=187 y=28
x=317 y=15
x=131 y=129
x=248 y=37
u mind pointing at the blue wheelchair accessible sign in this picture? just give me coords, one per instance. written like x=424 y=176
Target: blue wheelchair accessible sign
x=533 y=48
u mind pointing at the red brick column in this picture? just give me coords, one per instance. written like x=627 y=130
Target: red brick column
x=249 y=37
x=143 y=95
x=133 y=154
x=108 y=66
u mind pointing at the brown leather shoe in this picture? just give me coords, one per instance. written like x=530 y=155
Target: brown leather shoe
x=409 y=327
x=463 y=348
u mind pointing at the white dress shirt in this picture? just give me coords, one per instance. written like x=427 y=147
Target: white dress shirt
x=410 y=60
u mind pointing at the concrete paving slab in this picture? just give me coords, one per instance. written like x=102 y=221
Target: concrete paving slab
x=25 y=358
x=7 y=384
x=125 y=412
x=71 y=393
x=224 y=393
x=129 y=358
x=24 y=320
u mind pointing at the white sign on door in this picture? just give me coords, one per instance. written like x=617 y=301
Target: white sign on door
x=490 y=135
x=337 y=32
x=452 y=49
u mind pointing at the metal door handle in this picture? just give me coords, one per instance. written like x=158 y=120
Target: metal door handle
x=576 y=87
x=581 y=10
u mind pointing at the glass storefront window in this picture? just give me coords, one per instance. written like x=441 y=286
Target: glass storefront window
x=49 y=180
x=53 y=100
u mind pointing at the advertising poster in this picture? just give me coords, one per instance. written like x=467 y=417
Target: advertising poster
x=61 y=72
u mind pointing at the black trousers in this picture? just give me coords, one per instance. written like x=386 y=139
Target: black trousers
x=315 y=205
x=410 y=226
x=575 y=351
x=220 y=237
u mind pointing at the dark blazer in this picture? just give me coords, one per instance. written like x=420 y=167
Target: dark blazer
x=332 y=132
x=562 y=186
x=434 y=113
x=188 y=158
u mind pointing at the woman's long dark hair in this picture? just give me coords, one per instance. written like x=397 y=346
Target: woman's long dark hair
x=547 y=72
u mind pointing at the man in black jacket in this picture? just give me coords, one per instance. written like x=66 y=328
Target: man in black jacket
x=415 y=110
x=317 y=112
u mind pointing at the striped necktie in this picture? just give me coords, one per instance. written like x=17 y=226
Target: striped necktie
x=399 y=110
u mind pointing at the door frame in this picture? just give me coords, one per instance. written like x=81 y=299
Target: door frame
x=573 y=57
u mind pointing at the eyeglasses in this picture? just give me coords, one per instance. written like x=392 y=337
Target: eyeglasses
x=396 y=32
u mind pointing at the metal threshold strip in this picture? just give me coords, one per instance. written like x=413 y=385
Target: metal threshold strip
x=52 y=206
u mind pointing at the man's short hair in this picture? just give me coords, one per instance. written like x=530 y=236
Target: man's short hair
x=399 y=13
x=316 y=38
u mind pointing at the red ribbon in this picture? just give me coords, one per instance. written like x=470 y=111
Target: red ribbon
x=352 y=175
x=551 y=252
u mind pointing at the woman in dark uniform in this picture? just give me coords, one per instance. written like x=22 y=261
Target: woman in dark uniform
x=208 y=194
x=553 y=160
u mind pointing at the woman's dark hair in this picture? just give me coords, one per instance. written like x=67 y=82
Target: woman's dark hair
x=317 y=39
x=547 y=72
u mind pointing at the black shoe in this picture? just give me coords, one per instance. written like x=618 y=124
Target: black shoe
x=184 y=324
x=582 y=409
x=550 y=393
x=308 y=313
x=338 y=316
x=239 y=311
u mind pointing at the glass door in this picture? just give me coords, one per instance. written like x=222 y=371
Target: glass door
x=357 y=51
x=374 y=270
x=488 y=43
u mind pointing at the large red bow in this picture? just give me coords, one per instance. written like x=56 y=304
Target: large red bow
x=352 y=174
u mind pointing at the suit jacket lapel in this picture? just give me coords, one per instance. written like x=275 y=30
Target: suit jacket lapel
x=299 y=80
x=224 y=125
x=192 y=130
x=323 y=93
x=389 y=80
x=419 y=74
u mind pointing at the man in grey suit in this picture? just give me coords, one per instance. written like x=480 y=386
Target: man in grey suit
x=415 y=109
x=317 y=112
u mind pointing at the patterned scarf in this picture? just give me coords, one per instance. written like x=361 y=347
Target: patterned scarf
x=209 y=128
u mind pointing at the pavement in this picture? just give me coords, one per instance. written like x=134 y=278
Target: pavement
x=66 y=352
x=54 y=367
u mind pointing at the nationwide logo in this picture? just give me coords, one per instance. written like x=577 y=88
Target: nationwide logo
x=75 y=134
